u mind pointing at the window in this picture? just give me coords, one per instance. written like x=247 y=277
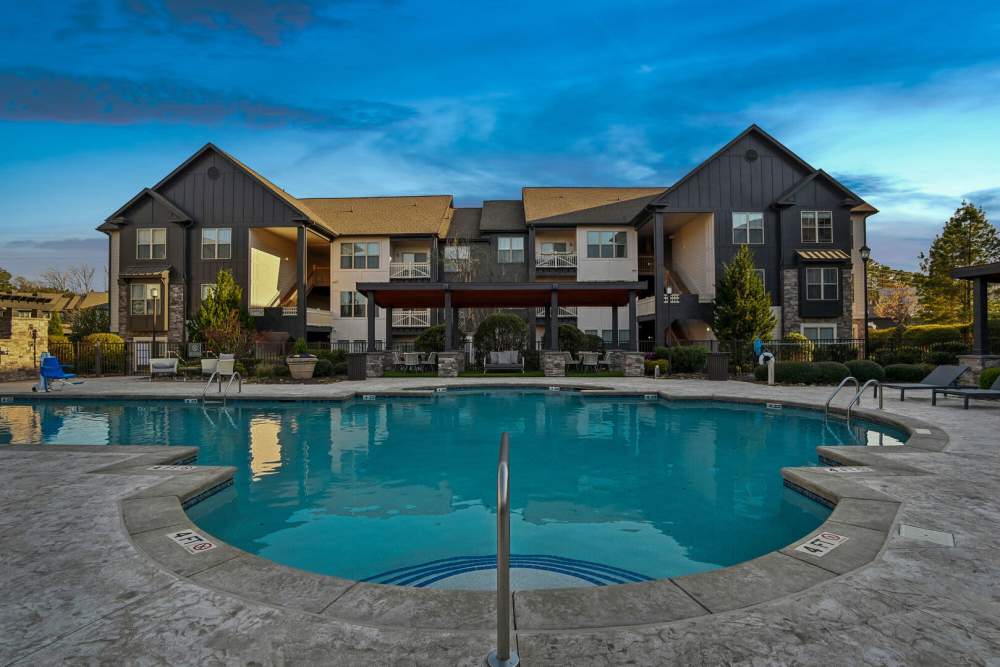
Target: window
x=553 y=248
x=761 y=273
x=217 y=243
x=141 y=298
x=607 y=245
x=819 y=331
x=510 y=249
x=454 y=256
x=206 y=290
x=23 y=314
x=413 y=257
x=359 y=255
x=353 y=304
x=817 y=226
x=748 y=228
x=821 y=284
x=151 y=243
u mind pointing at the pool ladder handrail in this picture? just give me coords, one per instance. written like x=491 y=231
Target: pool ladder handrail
x=225 y=394
x=857 y=397
x=503 y=656
x=849 y=378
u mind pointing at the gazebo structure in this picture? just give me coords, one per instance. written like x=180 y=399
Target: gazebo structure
x=551 y=296
x=981 y=276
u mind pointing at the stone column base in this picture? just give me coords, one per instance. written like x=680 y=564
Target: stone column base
x=976 y=364
x=450 y=364
x=375 y=364
x=553 y=364
x=633 y=364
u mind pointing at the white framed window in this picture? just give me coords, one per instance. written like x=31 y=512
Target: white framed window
x=207 y=289
x=607 y=245
x=217 y=243
x=510 y=250
x=359 y=255
x=141 y=298
x=455 y=255
x=151 y=243
x=353 y=304
x=748 y=228
x=819 y=332
x=817 y=226
x=822 y=284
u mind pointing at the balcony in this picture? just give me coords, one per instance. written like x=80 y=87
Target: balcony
x=402 y=319
x=317 y=317
x=646 y=264
x=556 y=260
x=564 y=313
x=409 y=271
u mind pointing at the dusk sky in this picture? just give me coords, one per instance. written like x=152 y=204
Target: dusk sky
x=99 y=99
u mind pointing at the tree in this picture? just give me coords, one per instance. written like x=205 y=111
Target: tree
x=76 y=279
x=55 y=325
x=221 y=320
x=967 y=238
x=742 y=305
x=501 y=332
x=90 y=321
x=431 y=339
x=5 y=278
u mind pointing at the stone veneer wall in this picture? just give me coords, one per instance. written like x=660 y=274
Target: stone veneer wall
x=176 y=315
x=790 y=304
x=633 y=364
x=450 y=364
x=553 y=363
x=20 y=354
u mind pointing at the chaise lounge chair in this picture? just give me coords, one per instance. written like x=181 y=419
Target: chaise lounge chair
x=993 y=393
x=52 y=375
x=942 y=377
x=510 y=360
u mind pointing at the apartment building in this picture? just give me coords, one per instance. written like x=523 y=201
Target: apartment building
x=300 y=260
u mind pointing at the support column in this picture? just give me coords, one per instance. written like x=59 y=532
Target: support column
x=530 y=254
x=554 y=319
x=614 y=327
x=660 y=319
x=633 y=322
x=301 y=258
x=980 y=317
x=449 y=323
x=435 y=260
x=372 y=309
x=532 y=328
x=388 y=328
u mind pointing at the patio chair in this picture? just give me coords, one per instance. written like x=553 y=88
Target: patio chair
x=588 y=361
x=608 y=361
x=941 y=377
x=508 y=360
x=397 y=360
x=970 y=393
x=163 y=366
x=411 y=361
x=570 y=361
x=52 y=375
x=430 y=363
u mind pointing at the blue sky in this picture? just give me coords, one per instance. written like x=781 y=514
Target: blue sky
x=99 y=98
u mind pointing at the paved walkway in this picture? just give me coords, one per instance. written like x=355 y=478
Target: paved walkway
x=75 y=589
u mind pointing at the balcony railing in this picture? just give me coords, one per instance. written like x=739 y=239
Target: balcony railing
x=317 y=317
x=409 y=271
x=646 y=264
x=411 y=318
x=563 y=312
x=556 y=260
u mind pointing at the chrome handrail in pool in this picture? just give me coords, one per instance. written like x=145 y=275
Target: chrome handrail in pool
x=503 y=656
x=857 y=397
x=849 y=378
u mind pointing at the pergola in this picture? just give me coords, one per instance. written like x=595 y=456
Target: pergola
x=551 y=296
x=981 y=276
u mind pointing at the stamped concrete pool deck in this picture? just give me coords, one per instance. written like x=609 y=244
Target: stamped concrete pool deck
x=88 y=576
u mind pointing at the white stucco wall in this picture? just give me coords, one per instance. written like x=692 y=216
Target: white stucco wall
x=113 y=272
x=857 y=266
x=346 y=280
x=596 y=269
x=693 y=256
x=272 y=267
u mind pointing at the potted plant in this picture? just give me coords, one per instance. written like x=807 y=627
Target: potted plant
x=301 y=364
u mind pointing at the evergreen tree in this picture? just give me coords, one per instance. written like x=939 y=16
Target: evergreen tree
x=5 y=281
x=55 y=325
x=218 y=309
x=742 y=305
x=967 y=238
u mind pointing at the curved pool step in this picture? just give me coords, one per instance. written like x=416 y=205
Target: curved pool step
x=569 y=570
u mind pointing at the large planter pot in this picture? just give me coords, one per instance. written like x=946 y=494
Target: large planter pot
x=301 y=367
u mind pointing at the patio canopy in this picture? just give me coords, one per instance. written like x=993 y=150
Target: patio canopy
x=452 y=296
x=980 y=275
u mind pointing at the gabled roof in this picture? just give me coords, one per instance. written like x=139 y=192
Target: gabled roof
x=465 y=223
x=575 y=206
x=116 y=219
x=787 y=198
x=502 y=215
x=427 y=214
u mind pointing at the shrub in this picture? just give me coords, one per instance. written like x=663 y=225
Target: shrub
x=281 y=371
x=323 y=369
x=91 y=320
x=430 y=339
x=104 y=339
x=905 y=372
x=927 y=334
x=333 y=356
x=651 y=365
x=840 y=352
x=661 y=353
x=801 y=372
x=830 y=372
x=988 y=377
x=340 y=368
x=593 y=343
x=264 y=370
x=946 y=353
x=865 y=370
x=55 y=325
x=500 y=332
x=300 y=347
x=904 y=354
x=571 y=339
x=802 y=350
x=687 y=358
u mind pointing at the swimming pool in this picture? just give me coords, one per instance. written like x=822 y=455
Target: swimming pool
x=401 y=490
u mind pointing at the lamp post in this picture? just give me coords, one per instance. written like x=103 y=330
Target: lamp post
x=866 y=255
x=154 y=294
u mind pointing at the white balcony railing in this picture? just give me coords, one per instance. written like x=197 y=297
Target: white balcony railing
x=289 y=311
x=411 y=318
x=563 y=312
x=317 y=317
x=556 y=260
x=409 y=270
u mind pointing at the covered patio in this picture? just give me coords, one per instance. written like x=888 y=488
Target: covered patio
x=983 y=355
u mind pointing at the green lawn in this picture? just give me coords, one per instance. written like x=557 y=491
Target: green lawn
x=592 y=374
x=502 y=374
x=410 y=374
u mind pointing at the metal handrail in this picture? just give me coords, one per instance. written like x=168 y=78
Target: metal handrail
x=503 y=656
x=857 y=397
x=211 y=380
x=849 y=378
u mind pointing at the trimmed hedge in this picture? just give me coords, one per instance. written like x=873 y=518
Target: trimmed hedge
x=651 y=365
x=928 y=334
x=333 y=356
x=906 y=372
x=801 y=372
x=865 y=370
x=687 y=358
x=988 y=377
x=324 y=369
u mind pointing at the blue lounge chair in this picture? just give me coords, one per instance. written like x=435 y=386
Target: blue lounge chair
x=51 y=374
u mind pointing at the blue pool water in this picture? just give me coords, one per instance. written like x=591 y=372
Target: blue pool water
x=403 y=490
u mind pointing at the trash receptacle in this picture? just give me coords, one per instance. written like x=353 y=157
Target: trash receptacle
x=357 y=366
x=718 y=365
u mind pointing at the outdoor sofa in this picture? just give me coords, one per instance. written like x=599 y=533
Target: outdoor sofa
x=509 y=360
x=942 y=377
x=969 y=393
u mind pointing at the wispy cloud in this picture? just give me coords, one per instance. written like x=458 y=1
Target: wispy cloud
x=30 y=257
x=989 y=200
x=44 y=95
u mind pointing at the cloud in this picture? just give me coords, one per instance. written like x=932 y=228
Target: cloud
x=43 y=95
x=988 y=199
x=30 y=257
x=888 y=188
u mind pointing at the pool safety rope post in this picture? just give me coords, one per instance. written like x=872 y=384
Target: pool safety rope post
x=503 y=656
